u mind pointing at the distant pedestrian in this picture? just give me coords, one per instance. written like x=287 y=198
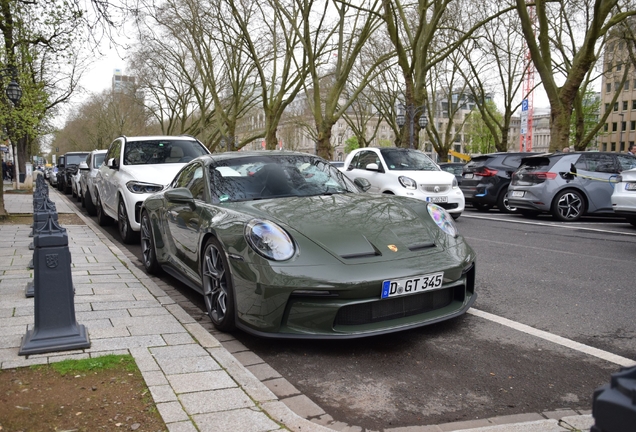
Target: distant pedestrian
x=10 y=170
x=632 y=150
x=5 y=176
x=566 y=150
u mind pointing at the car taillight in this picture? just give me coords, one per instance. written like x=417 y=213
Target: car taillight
x=487 y=172
x=546 y=175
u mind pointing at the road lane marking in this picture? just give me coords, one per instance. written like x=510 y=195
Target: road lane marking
x=567 y=225
x=569 y=343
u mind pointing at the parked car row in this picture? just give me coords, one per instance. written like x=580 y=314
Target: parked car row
x=284 y=244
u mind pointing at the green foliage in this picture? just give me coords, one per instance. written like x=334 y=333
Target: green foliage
x=351 y=144
x=385 y=143
x=96 y=363
x=477 y=134
x=591 y=106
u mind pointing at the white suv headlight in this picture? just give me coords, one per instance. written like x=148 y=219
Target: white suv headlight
x=454 y=183
x=142 y=188
x=407 y=182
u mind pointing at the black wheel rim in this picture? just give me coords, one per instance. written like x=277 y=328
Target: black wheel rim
x=146 y=242
x=122 y=218
x=214 y=284
x=569 y=206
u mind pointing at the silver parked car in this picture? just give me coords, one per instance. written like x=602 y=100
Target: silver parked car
x=567 y=185
x=88 y=171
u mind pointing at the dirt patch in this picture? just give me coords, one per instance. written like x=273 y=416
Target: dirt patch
x=43 y=398
x=24 y=219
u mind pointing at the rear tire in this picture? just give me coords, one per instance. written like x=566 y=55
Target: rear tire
x=568 y=206
x=632 y=220
x=502 y=203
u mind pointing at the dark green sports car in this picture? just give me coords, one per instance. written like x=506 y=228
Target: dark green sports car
x=282 y=244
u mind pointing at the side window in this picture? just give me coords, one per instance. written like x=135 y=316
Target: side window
x=114 y=151
x=366 y=158
x=606 y=164
x=512 y=161
x=184 y=178
x=596 y=162
x=354 y=162
x=626 y=162
x=197 y=185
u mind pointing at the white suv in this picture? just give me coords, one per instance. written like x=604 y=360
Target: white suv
x=405 y=172
x=135 y=168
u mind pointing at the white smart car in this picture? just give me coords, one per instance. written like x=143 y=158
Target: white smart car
x=405 y=172
x=134 y=168
x=624 y=196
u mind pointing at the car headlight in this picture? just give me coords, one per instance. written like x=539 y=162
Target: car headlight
x=269 y=240
x=454 y=183
x=407 y=182
x=140 y=187
x=443 y=220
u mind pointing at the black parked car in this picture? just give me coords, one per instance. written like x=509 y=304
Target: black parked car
x=68 y=167
x=486 y=178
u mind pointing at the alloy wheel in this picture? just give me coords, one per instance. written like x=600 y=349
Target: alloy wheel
x=215 y=287
x=569 y=206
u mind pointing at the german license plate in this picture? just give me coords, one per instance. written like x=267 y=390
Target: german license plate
x=630 y=186
x=517 y=194
x=469 y=175
x=441 y=199
x=400 y=287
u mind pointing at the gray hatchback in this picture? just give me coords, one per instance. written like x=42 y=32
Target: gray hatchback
x=568 y=185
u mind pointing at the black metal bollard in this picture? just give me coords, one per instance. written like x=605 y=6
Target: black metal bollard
x=56 y=328
x=614 y=404
x=40 y=216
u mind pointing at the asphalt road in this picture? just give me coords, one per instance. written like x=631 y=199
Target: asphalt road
x=569 y=280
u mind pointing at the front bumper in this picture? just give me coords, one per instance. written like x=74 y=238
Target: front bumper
x=455 y=202
x=623 y=201
x=288 y=307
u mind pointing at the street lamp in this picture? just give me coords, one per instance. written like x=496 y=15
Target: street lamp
x=14 y=92
x=411 y=111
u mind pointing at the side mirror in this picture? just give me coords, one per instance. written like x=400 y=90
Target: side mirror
x=362 y=184
x=112 y=163
x=373 y=167
x=179 y=195
x=83 y=166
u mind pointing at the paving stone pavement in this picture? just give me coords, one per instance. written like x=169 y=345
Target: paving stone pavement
x=200 y=379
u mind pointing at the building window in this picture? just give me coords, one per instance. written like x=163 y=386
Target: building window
x=614 y=127
x=626 y=86
x=606 y=107
x=622 y=146
x=619 y=66
x=632 y=125
x=634 y=104
x=623 y=125
x=606 y=127
x=617 y=85
x=613 y=146
x=615 y=106
x=608 y=87
x=604 y=146
x=625 y=105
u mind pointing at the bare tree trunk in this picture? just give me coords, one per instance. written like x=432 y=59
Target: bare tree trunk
x=323 y=144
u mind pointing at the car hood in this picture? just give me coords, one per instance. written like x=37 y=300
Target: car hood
x=354 y=225
x=153 y=173
x=426 y=177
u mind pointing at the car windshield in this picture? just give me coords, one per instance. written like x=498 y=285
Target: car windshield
x=98 y=158
x=75 y=159
x=407 y=160
x=162 y=151
x=270 y=176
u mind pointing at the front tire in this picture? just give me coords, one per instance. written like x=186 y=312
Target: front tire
x=123 y=223
x=481 y=207
x=148 y=249
x=88 y=203
x=218 y=291
x=568 y=206
x=632 y=220
x=102 y=218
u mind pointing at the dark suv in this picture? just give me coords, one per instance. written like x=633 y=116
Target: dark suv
x=67 y=167
x=486 y=178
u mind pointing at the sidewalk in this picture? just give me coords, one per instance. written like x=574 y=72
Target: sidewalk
x=196 y=383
